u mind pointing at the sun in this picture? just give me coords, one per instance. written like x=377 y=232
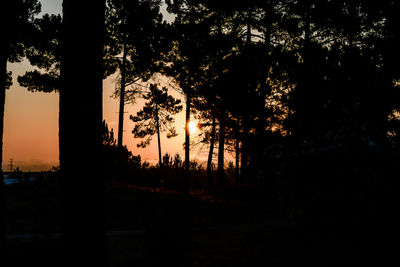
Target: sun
x=192 y=127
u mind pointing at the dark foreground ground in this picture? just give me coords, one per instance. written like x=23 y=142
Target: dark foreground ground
x=153 y=227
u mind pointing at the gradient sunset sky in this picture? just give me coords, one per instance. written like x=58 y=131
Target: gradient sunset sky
x=31 y=121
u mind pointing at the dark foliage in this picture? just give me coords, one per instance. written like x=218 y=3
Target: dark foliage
x=304 y=94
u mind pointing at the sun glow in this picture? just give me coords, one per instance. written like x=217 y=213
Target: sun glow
x=192 y=127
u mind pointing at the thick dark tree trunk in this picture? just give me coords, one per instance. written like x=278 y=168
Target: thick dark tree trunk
x=122 y=100
x=3 y=78
x=82 y=184
x=221 y=149
x=7 y=13
x=211 y=151
x=187 y=141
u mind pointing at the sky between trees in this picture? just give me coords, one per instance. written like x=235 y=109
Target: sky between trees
x=31 y=120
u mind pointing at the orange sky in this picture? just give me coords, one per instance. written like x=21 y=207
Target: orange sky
x=31 y=126
x=31 y=122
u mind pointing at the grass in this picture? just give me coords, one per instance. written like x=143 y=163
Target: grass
x=151 y=227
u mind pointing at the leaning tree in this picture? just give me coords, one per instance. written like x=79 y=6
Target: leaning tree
x=136 y=42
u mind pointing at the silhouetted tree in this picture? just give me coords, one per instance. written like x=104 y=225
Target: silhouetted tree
x=44 y=52
x=135 y=44
x=177 y=161
x=167 y=160
x=156 y=117
x=204 y=110
x=108 y=136
x=82 y=179
x=186 y=62
x=15 y=22
x=120 y=163
x=196 y=63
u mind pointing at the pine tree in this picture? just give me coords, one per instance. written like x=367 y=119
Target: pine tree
x=44 y=52
x=82 y=181
x=16 y=23
x=156 y=117
x=135 y=46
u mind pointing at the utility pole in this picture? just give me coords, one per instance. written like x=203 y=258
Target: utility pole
x=11 y=165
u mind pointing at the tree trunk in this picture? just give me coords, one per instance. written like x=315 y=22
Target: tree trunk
x=221 y=146
x=158 y=138
x=221 y=149
x=304 y=91
x=261 y=124
x=187 y=141
x=244 y=158
x=237 y=156
x=211 y=151
x=246 y=118
x=307 y=38
x=122 y=99
x=268 y=26
x=80 y=124
x=8 y=11
x=3 y=78
x=248 y=23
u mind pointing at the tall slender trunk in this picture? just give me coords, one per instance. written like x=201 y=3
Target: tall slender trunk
x=221 y=146
x=261 y=124
x=304 y=92
x=158 y=138
x=221 y=149
x=248 y=24
x=3 y=78
x=245 y=121
x=80 y=125
x=187 y=140
x=307 y=38
x=211 y=151
x=268 y=29
x=237 y=152
x=122 y=99
x=244 y=157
